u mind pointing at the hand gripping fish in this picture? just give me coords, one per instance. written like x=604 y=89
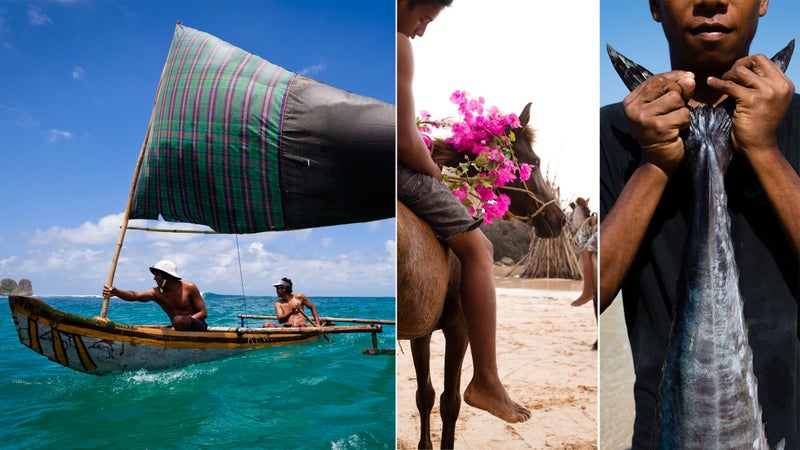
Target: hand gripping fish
x=708 y=398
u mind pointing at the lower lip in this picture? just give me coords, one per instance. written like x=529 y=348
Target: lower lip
x=711 y=36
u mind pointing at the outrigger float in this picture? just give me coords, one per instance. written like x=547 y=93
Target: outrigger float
x=239 y=145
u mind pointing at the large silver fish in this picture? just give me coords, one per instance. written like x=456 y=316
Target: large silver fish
x=708 y=398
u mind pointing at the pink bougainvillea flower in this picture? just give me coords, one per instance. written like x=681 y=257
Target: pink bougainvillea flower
x=496 y=208
x=484 y=134
x=485 y=193
x=524 y=171
x=461 y=193
x=426 y=140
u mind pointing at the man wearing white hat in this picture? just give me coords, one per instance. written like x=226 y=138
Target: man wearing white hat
x=289 y=308
x=180 y=299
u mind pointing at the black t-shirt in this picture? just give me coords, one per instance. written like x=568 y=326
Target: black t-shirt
x=768 y=275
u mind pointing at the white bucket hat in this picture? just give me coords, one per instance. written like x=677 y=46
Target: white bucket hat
x=166 y=266
x=287 y=283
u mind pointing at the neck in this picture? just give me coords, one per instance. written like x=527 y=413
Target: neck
x=704 y=94
x=168 y=285
x=702 y=69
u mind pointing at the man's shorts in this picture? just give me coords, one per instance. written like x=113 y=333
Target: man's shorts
x=431 y=200
x=198 y=325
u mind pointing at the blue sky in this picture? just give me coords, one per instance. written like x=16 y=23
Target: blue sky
x=628 y=26
x=78 y=82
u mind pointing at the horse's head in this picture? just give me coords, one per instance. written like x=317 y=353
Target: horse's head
x=536 y=205
x=580 y=212
x=532 y=200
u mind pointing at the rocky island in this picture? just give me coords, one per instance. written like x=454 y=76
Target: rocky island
x=11 y=287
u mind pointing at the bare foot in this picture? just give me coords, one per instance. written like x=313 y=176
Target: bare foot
x=495 y=400
x=584 y=298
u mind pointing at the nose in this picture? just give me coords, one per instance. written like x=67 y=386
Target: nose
x=706 y=6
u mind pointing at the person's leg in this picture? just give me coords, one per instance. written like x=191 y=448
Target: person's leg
x=588 y=279
x=478 y=301
x=181 y=323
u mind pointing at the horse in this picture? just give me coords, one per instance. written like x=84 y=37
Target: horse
x=428 y=281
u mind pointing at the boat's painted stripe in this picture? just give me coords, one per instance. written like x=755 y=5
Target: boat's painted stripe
x=33 y=336
x=58 y=348
x=83 y=354
x=198 y=340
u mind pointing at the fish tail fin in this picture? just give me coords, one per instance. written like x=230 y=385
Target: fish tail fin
x=631 y=73
x=782 y=58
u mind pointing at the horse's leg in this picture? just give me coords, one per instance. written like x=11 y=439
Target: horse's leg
x=456 y=340
x=426 y=396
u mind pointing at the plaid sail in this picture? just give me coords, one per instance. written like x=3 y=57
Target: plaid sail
x=212 y=154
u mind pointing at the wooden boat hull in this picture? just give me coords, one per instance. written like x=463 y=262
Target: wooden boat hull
x=97 y=347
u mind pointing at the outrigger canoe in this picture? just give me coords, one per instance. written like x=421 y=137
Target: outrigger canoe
x=98 y=347
x=240 y=145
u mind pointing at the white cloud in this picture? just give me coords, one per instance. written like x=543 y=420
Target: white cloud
x=257 y=248
x=38 y=17
x=313 y=70
x=58 y=135
x=18 y=116
x=326 y=242
x=105 y=231
x=78 y=73
x=76 y=260
x=6 y=263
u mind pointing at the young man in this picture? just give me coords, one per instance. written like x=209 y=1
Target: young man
x=646 y=191
x=420 y=189
x=289 y=308
x=180 y=299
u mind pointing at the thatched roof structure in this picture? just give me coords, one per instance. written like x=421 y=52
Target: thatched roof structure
x=552 y=258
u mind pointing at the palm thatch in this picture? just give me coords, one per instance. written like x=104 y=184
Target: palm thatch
x=552 y=258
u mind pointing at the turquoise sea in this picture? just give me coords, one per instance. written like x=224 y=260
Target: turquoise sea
x=312 y=396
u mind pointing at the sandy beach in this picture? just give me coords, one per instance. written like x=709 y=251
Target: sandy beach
x=616 y=380
x=545 y=361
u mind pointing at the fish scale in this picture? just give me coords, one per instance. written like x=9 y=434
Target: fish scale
x=708 y=397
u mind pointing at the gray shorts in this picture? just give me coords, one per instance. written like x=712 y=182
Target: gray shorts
x=431 y=200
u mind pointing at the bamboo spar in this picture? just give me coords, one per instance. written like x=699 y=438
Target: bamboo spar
x=124 y=227
x=324 y=319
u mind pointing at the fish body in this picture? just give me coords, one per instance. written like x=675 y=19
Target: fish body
x=708 y=397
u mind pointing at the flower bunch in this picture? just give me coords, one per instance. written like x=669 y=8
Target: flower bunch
x=486 y=138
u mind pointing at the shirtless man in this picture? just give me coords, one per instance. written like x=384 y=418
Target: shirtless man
x=180 y=299
x=419 y=187
x=289 y=308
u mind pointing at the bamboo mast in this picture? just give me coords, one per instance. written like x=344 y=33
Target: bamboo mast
x=124 y=227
